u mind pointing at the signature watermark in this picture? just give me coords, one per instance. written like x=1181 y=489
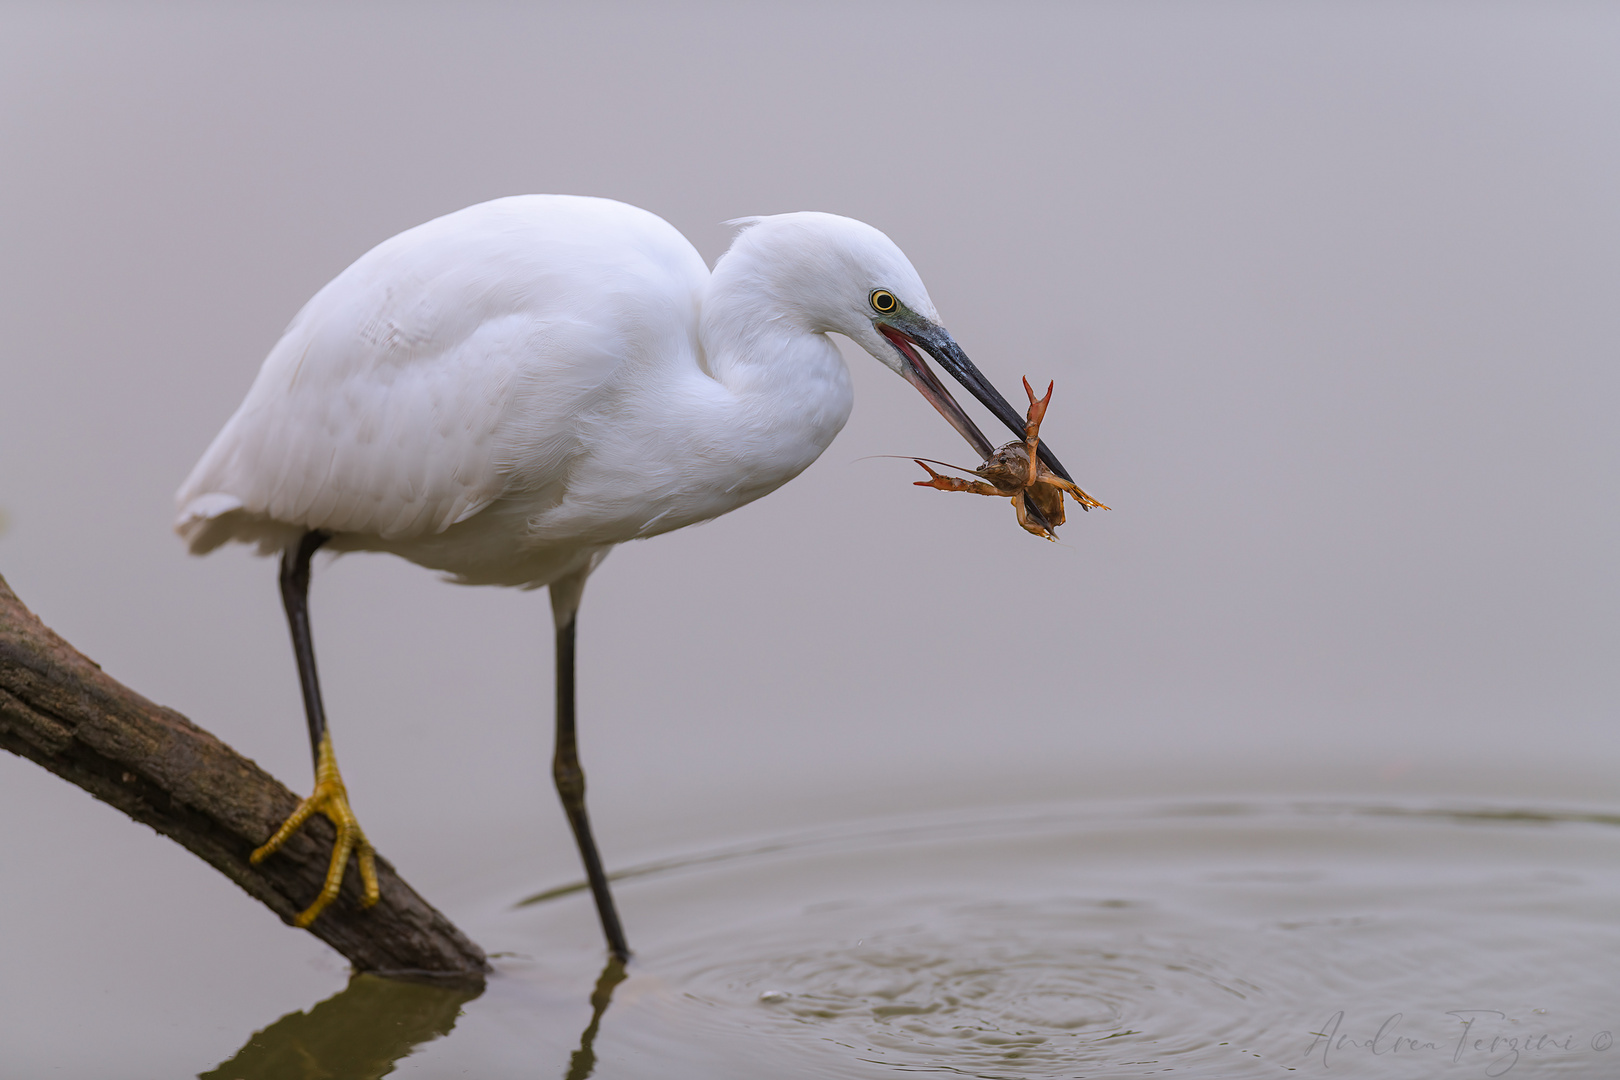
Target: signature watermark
x=1483 y=1036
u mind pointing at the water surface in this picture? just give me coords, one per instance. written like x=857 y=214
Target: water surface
x=1235 y=939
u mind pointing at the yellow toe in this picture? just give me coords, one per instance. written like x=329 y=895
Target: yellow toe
x=331 y=799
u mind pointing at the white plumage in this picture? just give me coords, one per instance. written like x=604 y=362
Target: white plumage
x=506 y=391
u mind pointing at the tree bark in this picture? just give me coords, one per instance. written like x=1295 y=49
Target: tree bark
x=58 y=709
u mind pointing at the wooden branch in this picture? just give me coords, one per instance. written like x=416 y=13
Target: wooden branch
x=58 y=709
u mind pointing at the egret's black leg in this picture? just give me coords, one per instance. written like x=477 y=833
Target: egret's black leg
x=571 y=787
x=295 y=598
x=329 y=797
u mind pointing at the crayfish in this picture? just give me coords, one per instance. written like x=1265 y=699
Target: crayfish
x=1014 y=471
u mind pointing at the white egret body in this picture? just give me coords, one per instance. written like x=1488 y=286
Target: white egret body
x=506 y=392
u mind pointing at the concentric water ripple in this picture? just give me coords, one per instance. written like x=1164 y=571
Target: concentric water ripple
x=1210 y=941
x=991 y=989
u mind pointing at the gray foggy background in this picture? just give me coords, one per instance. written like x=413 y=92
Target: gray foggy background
x=1328 y=292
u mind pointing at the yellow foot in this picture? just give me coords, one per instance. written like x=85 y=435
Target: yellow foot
x=329 y=798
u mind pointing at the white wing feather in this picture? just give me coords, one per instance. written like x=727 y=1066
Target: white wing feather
x=446 y=368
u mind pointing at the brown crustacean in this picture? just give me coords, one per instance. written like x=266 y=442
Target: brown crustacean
x=1014 y=470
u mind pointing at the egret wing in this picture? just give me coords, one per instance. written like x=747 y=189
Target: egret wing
x=442 y=368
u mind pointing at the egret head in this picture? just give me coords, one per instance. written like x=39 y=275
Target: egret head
x=822 y=272
x=833 y=274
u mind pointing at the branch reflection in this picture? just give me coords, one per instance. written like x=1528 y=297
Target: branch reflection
x=358 y=1033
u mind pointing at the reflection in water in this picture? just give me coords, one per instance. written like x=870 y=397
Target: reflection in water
x=361 y=1032
x=357 y=1034
x=583 y=1061
x=1207 y=940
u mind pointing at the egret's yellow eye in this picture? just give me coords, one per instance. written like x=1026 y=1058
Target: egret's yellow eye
x=883 y=301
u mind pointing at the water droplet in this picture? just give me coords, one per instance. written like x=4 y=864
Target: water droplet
x=771 y=997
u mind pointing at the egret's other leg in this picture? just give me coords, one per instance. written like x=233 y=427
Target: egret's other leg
x=329 y=797
x=565 y=768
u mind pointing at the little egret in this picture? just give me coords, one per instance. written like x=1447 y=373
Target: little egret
x=506 y=392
